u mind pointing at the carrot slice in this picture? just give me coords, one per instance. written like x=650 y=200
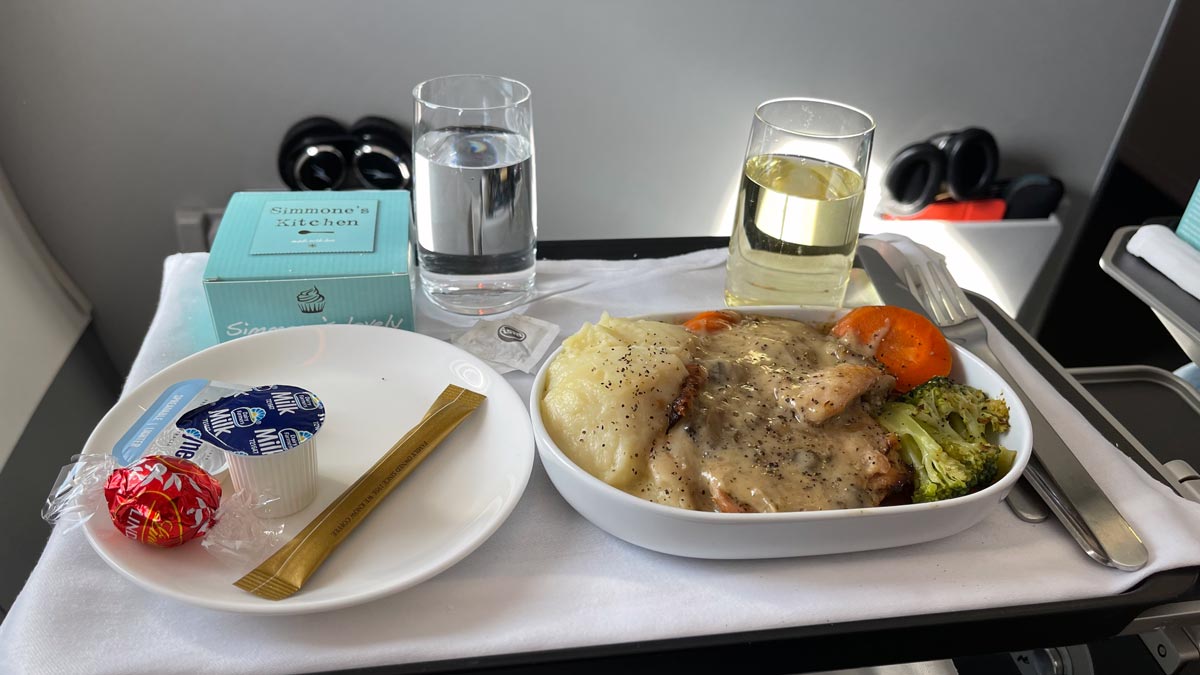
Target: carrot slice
x=711 y=322
x=907 y=344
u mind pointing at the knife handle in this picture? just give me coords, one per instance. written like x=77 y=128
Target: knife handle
x=1070 y=491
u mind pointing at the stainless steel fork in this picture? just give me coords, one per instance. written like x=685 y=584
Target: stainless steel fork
x=1054 y=471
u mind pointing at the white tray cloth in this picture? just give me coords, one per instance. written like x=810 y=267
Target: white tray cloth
x=548 y=578
x=1169 y=254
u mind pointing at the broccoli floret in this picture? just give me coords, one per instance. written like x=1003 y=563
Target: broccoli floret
x=968 y=410
x=938 y=474
x=945 y=426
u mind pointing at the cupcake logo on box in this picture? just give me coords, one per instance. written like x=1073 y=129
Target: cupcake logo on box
x=311 y=301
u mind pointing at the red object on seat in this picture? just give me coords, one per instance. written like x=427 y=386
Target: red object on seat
x=948 y=209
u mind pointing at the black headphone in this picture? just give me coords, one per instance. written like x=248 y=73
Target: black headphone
x=318 y=153
x=964 y=164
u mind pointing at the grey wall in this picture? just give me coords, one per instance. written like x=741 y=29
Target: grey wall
x=114 y=113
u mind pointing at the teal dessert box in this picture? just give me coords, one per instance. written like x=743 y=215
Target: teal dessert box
x=1189 y=225
x=285 y=259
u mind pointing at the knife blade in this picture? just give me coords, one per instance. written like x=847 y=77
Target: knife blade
x=888 y=283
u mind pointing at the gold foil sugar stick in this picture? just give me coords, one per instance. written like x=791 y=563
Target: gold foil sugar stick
x=285 y=572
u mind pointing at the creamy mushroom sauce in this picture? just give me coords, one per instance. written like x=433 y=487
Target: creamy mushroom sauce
x=780 y=421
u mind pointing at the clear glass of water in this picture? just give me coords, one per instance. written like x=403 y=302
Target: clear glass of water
x=796 y=221
x=473 y=192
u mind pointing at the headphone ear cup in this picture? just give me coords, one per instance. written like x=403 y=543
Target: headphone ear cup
x=382 y=157
x=311 y=126
x=914 y=178
x=1032 y=196
x=972 y=161
x=322 y=133
x=380 y=127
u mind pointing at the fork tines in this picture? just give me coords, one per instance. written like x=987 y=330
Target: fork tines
x=939 y=293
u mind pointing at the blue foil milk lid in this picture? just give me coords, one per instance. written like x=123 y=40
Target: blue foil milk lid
x=261 y=421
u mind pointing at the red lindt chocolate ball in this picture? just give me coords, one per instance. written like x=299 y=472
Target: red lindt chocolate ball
x=163 y=501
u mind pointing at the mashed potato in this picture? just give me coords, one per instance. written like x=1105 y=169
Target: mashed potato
x=749 y=414
x=608 y=391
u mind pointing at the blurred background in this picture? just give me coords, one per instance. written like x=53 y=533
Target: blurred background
x=115 y=115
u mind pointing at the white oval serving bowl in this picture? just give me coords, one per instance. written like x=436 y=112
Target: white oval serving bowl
x=702 y=534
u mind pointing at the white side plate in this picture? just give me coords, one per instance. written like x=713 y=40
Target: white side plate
x=376 y=384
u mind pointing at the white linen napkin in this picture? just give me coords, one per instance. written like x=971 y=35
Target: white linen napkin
x=1169 y=254
x=548 y=578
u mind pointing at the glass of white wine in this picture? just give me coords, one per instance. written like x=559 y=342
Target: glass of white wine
x=796 y=223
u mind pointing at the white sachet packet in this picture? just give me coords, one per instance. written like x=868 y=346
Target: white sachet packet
x=516 y=342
